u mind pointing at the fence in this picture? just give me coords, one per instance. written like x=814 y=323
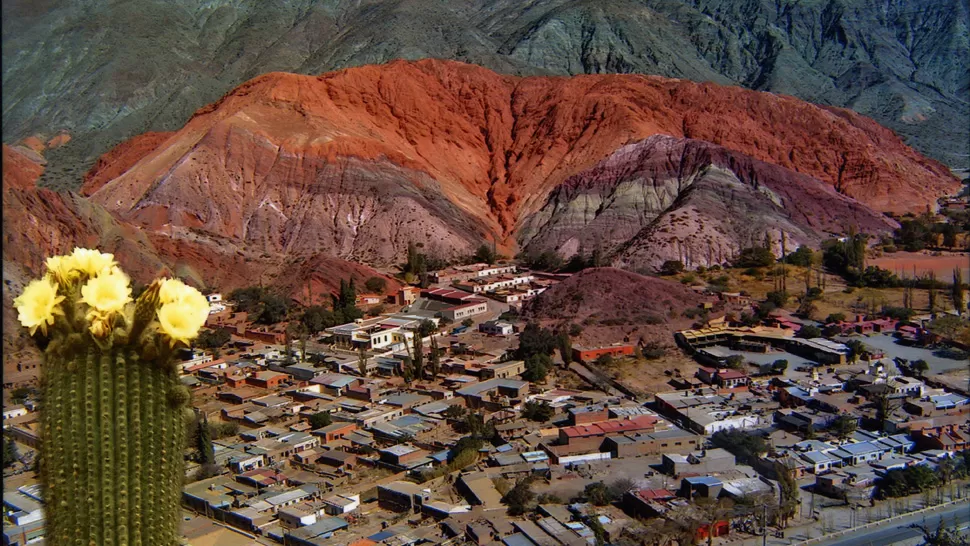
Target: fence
x=878 y=523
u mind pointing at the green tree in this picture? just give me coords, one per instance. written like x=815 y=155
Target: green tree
x=672 y=267
x=375 y=285
x=204 y=448
x=467 y=323
x=780 y=365
x=212 y=339
x=835 y=317
x=598 y=494
x=790 y=496
x=361 y=361
x=735 y=362
x=756 y=256
x=802 y=257
x=534 y=340
x=957 y=292
x=484 y=254
x=565 y=348
x=809 y=331
x=454 y=411
x=844 y=426
x=537 y=367
x=856 y=349
x=20 y=394
x=521 y=498
x=9 y=451
x=778 y=297
x=743 y=445
x=540 y=412
x=316 y=318
x=921 y=367
x=320 y=420
x=434 y=360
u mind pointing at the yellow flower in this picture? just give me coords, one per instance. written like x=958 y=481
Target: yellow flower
x=180 y=321
x=175 y=291
x=37 y=305
x=100 y=326
x=59 y=267
x=90 y=261
x=108 y=292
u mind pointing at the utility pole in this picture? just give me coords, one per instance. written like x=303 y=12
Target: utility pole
x=764 y=524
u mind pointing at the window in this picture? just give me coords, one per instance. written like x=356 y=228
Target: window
x=677 y=443
x=663 y=445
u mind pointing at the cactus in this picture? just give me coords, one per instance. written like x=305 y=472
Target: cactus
x=111 y=457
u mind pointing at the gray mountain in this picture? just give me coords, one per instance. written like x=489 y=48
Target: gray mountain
x=107 y=70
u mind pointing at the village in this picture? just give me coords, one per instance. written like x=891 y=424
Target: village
x=447 y=418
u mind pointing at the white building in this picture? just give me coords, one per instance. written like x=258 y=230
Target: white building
x=337 y=505
x=214 y=297
x=14 y=411
x=496 y=328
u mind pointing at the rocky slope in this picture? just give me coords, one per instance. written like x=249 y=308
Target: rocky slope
x=39 y=223
x=357 y=163
x=682 y=199
x=107 y=71
x=612 y=304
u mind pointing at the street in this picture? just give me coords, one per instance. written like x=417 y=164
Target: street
x=898 y=531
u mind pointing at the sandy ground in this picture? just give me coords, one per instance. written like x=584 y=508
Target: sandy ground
x=904 y=263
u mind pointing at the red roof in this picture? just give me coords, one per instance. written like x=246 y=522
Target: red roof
x=614 y=426
x=730 y=374
x=654 y=494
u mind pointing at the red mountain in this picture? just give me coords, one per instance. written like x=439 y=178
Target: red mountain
x=359 y=162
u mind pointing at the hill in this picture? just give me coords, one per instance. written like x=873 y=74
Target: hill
x=612 y=304
x=358 y=163
x=108 y=71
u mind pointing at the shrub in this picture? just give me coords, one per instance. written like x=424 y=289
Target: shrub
x=672 y=267
x=375 y=284
x=755 y=256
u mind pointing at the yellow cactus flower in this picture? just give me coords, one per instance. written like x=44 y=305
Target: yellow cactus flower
x=59 y=267
x=38 y=304
x=180 y=321
x=174 y=290
x=91 y=262
x=100 y=326
x=108 y=292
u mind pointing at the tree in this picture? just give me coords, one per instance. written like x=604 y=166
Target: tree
x=789 y=492
x=540 y=412
x=435 y=358
x=754 y=257
x=598 y=494
x=735 y=362
x=204 y=447
x=467 y=323
x=484 y=254
x=672 y=267
x=521 y=498
x=885 y=407
x=777 y=297
x=780 y=365
x=320 y=420
x=20 y=394
x=844 y=426
x=835 y=317
x=856 y=349
x=375 y=285
x=426 y=328
x=10 y=454
x=921 y=367
x=942 y=536
x=537 y=367
x=803 y=257
x=535 y=340
x=212 y=339
x=745 y=446
x=809 y=331
x=454 y=411
x=316 y=318
x=417 y=358
x=361 y=361
x=565 y=348
x=956 y=291
x=947 y=326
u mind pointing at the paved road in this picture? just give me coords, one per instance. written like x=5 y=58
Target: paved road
x=898 y=531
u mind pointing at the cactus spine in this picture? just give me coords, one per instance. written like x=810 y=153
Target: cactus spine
x=111 y=458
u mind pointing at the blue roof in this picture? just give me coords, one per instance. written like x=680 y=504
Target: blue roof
x=503 y=448
x=860 y=448
x=383 y=535
x=703 y=480
x=518 y=539
x=323 y=526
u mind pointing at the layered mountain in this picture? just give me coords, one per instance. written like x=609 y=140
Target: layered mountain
x=107 y=71
x=358 y=163
x=665 y=198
